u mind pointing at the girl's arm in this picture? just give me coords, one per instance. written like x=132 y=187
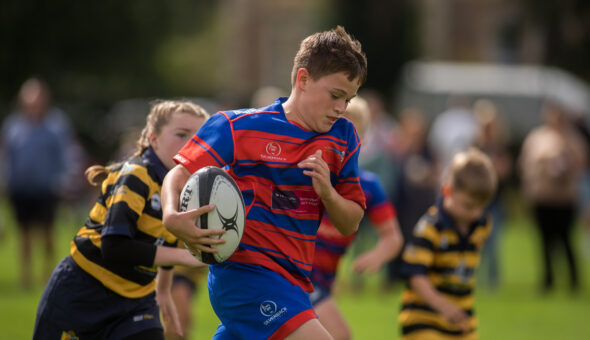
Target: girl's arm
x=166 y=303
x=389 y=245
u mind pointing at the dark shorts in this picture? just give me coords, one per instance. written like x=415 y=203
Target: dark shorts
x=34 y=208
x=76 y=305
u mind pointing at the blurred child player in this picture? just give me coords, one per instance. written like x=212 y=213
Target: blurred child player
x=331 y=244
x=107 y=287
x=440 y=259
x=294 y=160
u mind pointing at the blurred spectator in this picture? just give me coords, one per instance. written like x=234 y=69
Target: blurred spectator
x=417 y=181
x=552 y=159
x=377 y=152
x=377 y=155
x=581 y=124
x=453 y=130
x=35 y=139
x=266 y=95
x=493 y=141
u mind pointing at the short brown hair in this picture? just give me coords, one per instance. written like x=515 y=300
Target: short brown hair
x=330 y=52
x=471 y=172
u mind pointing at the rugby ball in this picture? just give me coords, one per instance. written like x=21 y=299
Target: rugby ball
x=213 y=185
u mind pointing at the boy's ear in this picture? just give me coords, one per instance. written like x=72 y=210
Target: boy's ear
x=446 y=190
x=302 y=78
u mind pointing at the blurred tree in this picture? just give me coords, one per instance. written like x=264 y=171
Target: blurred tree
x=566 y=32
x=387 y=30
x=94 y=53
x=97 y=50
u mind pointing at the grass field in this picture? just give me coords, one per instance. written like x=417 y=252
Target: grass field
x=515 y=311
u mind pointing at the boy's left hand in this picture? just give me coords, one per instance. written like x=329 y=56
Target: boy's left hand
x=320 y=174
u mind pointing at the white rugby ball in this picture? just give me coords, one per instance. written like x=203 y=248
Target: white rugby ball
x=213 y=185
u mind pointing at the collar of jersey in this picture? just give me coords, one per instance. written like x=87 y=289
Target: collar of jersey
x=447 y=222
x=156 y=164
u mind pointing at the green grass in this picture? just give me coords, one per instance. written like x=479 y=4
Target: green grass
x=515 y=311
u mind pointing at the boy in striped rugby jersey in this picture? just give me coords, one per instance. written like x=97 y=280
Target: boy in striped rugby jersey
x=293 y=160
x=440 y=260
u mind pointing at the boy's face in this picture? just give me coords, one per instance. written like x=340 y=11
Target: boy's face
x=324 y=100
x=463 y=208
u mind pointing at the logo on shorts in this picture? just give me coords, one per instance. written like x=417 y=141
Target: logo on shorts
x=268 y=308
x=141 y=317
x=273 y=149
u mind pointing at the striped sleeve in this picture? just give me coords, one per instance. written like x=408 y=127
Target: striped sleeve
x=211 y=145
x=379 y=207
x=418 y=255
x=127 y=199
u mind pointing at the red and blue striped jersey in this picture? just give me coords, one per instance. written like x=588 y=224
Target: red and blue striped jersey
x=331 y=244
x=261 y=149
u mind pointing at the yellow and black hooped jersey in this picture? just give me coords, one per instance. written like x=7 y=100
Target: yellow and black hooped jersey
x=129 y=204
x=448 y=259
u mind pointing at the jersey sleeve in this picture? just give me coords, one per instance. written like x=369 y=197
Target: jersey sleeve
x=348 y=184
x=418 y=255
x=379 y=207
x=127 y=201
x=211 y=145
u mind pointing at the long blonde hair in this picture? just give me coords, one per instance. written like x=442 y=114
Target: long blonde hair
x=159 y=116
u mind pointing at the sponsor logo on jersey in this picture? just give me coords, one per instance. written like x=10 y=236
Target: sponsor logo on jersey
x=156 y=202
x=273 y=149
x=296 y=201
x=272 y=152
x=284 y=199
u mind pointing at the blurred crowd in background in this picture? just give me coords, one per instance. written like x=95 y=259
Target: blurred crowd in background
x=509 y=77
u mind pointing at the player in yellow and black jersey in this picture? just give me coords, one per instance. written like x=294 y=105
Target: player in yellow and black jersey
x=107 y=287
x=441 y=258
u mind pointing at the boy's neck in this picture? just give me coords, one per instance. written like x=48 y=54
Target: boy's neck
x=291 y=111
x=462 y=227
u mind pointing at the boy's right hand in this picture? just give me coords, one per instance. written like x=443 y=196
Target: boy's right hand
x=456 y=316
x=182 y=224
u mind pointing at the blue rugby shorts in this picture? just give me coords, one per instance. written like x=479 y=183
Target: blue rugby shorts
x=253 y=302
